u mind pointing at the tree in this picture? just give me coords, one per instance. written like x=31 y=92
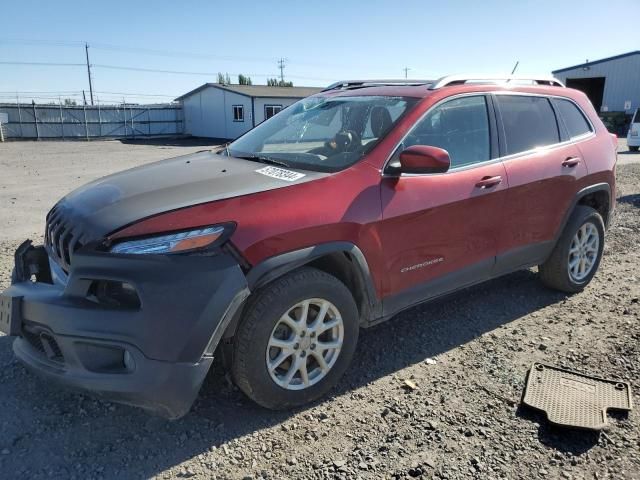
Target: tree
x=222 y=79
x=274 y=82
x=244 y=80
x=69 y=102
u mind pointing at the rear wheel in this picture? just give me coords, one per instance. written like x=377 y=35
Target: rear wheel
x=633 y=149
x=296 y=339
x=576 y=257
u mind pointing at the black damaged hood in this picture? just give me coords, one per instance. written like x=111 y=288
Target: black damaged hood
x=108 y=204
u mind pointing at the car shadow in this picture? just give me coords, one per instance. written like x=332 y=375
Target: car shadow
x=123 y=441
x=633 y=199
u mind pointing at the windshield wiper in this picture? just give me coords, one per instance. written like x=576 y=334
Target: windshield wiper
x=262 y=159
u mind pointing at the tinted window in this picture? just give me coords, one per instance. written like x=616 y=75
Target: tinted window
x=573 y=118
x=637 y=119
x=460 y=126
x=529 y=122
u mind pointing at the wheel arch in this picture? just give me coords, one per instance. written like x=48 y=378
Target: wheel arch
x=344 y=260
x=597 y=196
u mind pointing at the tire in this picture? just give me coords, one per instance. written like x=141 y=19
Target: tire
x=264 y=324
x=556 y=272
x=633 y=149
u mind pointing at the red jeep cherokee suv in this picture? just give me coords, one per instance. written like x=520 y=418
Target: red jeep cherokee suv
x=337 y=213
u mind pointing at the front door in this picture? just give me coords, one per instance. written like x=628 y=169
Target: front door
x=439 y=231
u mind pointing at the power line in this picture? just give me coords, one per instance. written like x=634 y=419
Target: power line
x=150 y=70
x=44 y=64
x=156 y=52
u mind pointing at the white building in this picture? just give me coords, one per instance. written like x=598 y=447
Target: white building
x=227 y=111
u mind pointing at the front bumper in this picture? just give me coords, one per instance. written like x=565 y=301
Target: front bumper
x=155 y=355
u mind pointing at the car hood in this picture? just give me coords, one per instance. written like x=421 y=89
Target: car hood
x=110 y=203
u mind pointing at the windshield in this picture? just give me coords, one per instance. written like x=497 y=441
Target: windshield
x=325 y=134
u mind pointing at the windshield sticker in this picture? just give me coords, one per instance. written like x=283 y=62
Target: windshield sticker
x=280 y=173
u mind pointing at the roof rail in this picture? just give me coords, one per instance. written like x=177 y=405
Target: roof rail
x=462 y=79
x=347 y=84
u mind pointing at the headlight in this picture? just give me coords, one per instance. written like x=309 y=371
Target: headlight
x=175 y=242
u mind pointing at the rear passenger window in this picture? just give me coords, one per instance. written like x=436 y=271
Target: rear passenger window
x=460 y=126
x=573 y=118
x=529 y=122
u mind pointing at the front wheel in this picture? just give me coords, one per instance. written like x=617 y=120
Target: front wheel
x=633 y=149
x=296 y=339
x=576 y=257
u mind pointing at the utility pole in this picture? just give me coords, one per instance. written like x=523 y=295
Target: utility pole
x=281 y=65
x=515 y=67
x=86 y=51
x=406 y=71
x=84 y=98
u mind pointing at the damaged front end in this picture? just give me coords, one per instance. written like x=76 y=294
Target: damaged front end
x=135 y=329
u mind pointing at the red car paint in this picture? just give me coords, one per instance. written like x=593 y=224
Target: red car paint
x=404 y=224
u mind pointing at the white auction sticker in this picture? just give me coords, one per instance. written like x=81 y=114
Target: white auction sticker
x=280 y=173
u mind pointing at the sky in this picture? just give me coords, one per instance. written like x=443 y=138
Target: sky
x=322 y=42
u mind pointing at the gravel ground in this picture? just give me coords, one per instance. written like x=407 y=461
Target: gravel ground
x=467 y=354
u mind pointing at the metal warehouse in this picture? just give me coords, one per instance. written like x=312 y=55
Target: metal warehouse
x=612 y=84
x=227 y=111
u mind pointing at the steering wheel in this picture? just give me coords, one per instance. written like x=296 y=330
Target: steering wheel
x=346 y=141
x=343 y=141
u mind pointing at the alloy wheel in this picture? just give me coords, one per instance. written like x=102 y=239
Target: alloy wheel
x=583 y=252
x=304 y=344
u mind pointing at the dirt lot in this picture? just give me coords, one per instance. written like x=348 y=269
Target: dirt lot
x=467 y=354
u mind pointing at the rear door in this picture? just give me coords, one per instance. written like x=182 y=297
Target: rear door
x=439 y=231
x=543 y=167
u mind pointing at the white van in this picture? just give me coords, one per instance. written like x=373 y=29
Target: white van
x=633 y=137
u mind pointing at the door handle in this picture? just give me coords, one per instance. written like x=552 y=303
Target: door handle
x=571 y=162
x=488 y=182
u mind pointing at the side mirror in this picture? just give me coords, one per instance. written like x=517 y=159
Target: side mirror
x=424 y=159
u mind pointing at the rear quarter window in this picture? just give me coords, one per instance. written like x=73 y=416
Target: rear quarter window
x=573 y=118
x=529 y=122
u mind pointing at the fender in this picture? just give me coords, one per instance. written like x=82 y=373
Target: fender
x=598 y=187
x=276 y=266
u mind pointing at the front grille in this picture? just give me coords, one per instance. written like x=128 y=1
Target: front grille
x=61 y=238
x=43 y=342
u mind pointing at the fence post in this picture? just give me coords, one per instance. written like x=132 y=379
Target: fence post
x=61 y=119
x=99 y=121
x=35 y=119
x=133 y=130
x=149 y=121
x=86 y=128
x=19 y=116
x=124 y=116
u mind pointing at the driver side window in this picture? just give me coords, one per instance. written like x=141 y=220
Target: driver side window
x=460 y=126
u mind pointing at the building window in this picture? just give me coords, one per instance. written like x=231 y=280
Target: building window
x=238 y=113
x=271 y=110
